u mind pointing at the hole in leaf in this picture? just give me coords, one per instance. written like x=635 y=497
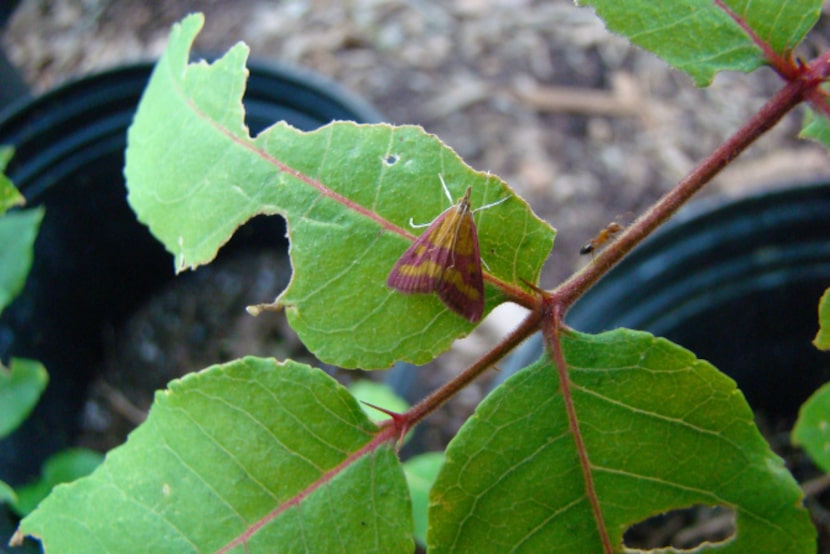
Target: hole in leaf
x=391 y=159
x=683 y=529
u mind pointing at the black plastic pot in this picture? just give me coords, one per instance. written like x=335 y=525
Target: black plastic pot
x=738 y=284
x=94 y=263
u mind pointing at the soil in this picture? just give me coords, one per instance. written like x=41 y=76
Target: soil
x=586 y=127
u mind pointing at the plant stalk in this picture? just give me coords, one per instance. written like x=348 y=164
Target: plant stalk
x=447 y=391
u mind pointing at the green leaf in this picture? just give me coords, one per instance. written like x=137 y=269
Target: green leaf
x=253 y=456
x=7 y=494
x=822 y=340
x=421 y=472
x=63 y=467
x=701 y=38
x=347 y=191
x=661 y=430
x=9 y=195
x=18 y=231
x=815 y=127
x=20 y=388
x=812 y=430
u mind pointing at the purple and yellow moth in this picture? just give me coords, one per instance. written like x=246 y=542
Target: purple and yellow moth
x=445 y=260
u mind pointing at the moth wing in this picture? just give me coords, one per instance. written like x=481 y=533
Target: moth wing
x=419 y=269
x=446 y=260
x=461 y=286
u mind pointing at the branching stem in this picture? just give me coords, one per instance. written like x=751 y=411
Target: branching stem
x=432 y=402
x=549 y=307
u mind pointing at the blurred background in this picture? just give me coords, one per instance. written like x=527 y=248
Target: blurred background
x=586 y=127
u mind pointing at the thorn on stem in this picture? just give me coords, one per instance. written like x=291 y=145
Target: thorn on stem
x=399 y=422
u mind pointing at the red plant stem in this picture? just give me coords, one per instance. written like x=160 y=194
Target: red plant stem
x=769 y=115
x=818 y=71
x=555 y=304
x=552 y=306
x=447 y=391
x=783 y=65
x=554 y=344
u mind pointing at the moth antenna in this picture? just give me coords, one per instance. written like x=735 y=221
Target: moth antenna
x=491 y=204
x=446 y=190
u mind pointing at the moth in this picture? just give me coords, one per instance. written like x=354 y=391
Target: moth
x=602 y=238
x=445 y=260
